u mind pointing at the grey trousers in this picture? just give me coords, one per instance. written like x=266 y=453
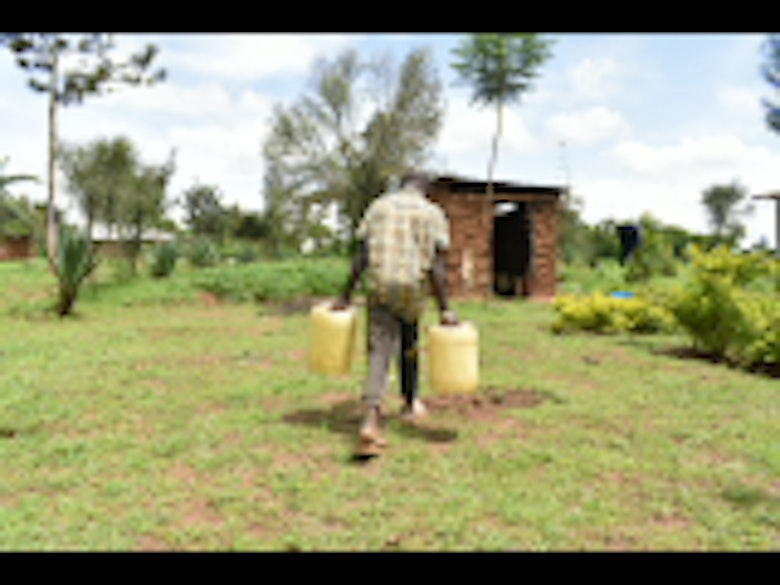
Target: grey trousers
x=389 y=335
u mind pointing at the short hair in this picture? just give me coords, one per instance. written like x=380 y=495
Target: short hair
x=418 y=178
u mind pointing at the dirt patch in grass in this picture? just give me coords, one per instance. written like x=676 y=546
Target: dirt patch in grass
x=485 y=405
x=342 y=413
x=689 y=353
x=209 y=299
x=295 y=306
x=149 y=543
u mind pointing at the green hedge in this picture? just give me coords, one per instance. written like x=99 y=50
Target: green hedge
x=600 y=313
x=275 y=281
x=728 y=305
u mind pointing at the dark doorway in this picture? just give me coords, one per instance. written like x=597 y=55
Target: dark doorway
x=511 y=249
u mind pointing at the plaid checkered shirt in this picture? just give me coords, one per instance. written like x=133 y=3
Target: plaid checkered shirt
x=403 y=229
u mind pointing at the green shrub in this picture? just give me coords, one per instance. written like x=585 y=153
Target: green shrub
x=76 y=262
x=164 y=258
x=610 y=276
x=606 y=276
x=246 y=255
x=738 y=269
x=275 y=281
x=722 y=310
x=203 y=253
x=607 y=314
x=708 y=310
x=763 y=340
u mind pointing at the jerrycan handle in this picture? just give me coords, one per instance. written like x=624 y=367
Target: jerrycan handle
x=449 y=319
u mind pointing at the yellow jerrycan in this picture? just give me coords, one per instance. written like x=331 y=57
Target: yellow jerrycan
x=453 y=354
x=333 y=336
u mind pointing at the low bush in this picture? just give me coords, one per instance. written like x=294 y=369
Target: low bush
x=723 y=311
x=203 y=253
x=77 y=261
x=275 y=281
x=606 y=276
x=164 y=258
x=601 y=313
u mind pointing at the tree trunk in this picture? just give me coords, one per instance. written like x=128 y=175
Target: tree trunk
x=52 y=232
x=67 y=302
x=777 y=229
x=494 y=149
x=489 y=208
x=90 y=224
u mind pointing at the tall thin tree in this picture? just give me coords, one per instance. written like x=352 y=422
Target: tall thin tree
x=343 y=142
x=499 y=68
x=770 y=69
x=723 y=206
x=66 y=81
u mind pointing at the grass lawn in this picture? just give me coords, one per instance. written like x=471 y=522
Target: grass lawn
x=159 y=419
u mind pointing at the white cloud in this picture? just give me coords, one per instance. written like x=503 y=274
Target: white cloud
x=248 y=57
x=671 y=200
x=470 y=129
x=714 y=153
x=204 y=99
x=592 y=126
x=595 y=78
x=739 y=99
x=668 y=179
x=675 y=201
x=217 y=134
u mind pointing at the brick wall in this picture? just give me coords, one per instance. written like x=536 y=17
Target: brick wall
x=542 y=281
x=15 y=248
x=470 y=262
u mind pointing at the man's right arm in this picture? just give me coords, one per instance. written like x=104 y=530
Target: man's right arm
x=439 y=286
x=359 y=264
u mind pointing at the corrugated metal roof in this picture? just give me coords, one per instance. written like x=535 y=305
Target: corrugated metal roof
x=466 y=185
x=775 y=195
x=100 y=233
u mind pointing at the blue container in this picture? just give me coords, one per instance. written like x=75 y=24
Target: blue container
x=623 y=294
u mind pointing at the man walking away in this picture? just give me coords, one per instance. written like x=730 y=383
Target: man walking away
x=403 y=239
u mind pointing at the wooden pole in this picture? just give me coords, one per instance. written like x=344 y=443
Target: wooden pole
x=776 y=198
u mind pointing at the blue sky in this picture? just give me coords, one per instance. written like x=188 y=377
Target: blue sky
x=641 y=122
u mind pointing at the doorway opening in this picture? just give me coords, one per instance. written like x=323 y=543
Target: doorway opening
x=512 y=253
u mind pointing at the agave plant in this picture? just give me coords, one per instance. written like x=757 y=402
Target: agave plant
x=164 y=260
x=77 y=260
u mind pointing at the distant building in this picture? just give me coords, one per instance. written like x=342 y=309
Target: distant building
x=508 y=250
x=111 y=243
x=16 y=247
x=776 y=197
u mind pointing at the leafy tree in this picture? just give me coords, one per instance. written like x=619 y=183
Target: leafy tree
x=6 y=180
x=603 y=241
x=112 y=185
x=250 y=225
x=143 y=204
x=655 y=256
x=204 y=212
x=771 y=72
x=17 y=217
x=96 y=173
x=722 y=204
x=361 y=124
x=500 y=68
x=75 y=263
x=73 y=66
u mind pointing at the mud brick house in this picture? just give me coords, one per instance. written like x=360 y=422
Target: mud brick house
x=509 y=249
x=15 y=248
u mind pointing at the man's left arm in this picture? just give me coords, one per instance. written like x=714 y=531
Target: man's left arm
x=359 y=264
x=438 y=274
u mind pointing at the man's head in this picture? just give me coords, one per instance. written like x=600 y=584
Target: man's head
x=417 y=180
